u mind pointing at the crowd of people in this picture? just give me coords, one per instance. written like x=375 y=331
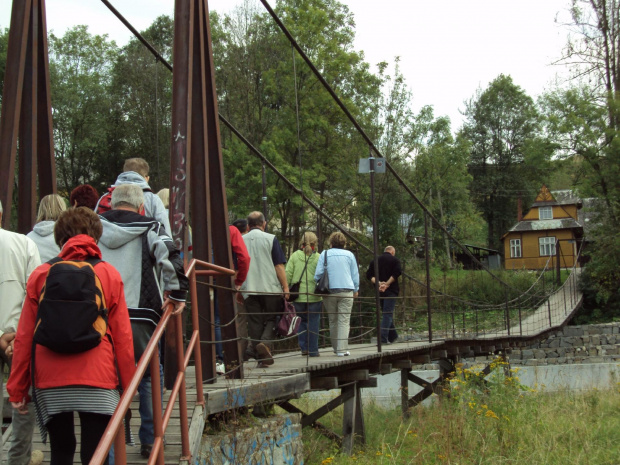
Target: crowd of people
x=116 y=255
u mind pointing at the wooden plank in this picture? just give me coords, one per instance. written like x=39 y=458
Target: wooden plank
x=402 y=364
x=241 y=395
x=420 y=359
x=354 y=375
x=349 y=418
x=196 y=429
x=453 y=350
x=385 y=368
x=325 y=383
x=329 y=434
x=331 y=405
x=369 y=383
x=404 y=393
x=419 y=381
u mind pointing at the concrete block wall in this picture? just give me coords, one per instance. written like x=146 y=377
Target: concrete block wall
x=573 y=344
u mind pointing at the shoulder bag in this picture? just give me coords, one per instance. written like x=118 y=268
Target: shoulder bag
x=294 y=289
x=322 y=287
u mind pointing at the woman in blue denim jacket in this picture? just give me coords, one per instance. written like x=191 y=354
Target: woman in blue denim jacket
x=344 y=283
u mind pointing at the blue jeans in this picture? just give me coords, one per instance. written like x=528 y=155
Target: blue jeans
x=388 y=331
x=147 y=427
x=308 y=335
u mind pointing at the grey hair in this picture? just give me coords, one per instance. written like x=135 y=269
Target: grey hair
x=127 y=195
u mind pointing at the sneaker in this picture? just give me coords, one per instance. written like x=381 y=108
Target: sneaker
x=220 y=368
x=343 y=354
x=304 y=352
x=315 y=355
x=36 y=458
x=145 y=450
x=264 y=354
x=393 y=341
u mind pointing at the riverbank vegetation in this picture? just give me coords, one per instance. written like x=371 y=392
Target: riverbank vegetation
x=484 y=423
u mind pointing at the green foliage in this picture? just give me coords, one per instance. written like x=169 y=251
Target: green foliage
x=4 y=46
x=80 y=74
x=508 y=154
x=142 y=94
x=482 y=422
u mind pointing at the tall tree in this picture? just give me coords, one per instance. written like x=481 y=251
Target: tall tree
x=141 y=91
x=585 y=121
x=80 y=65
x=507 y=155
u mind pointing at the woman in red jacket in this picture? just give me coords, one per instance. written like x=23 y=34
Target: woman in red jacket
x=83 y=382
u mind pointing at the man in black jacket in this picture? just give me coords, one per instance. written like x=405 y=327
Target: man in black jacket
x=389 y=272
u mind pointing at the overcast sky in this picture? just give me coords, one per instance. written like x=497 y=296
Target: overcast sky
x=448 y=48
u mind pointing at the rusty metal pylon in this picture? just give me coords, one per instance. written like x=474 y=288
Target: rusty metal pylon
x=196 y=158
x=26 y=120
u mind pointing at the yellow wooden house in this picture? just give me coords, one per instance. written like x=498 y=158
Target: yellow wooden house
x=550 y=223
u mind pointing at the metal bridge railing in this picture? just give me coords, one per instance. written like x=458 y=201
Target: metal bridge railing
x=115 y=431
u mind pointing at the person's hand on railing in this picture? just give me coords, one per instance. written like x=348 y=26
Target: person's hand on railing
x=178 y=305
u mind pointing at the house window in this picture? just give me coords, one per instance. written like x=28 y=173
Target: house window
x=515 y=248
x=545 y=213
x=547 y=246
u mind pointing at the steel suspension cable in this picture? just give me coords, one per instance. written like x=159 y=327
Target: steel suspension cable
x=365 y=136
x=265 y=161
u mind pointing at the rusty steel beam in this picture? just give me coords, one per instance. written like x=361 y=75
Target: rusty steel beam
x=26 y=114
x=11 y=101
x=196 y=144
x=219 y=231
x=179 y=162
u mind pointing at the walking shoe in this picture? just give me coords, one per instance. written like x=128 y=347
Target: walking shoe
x=36 y=458
x=304 y=352
x=145 y=450
x=264 y=354
x=220 y=368
x=343 y=354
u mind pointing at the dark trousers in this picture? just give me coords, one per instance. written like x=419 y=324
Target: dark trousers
x=262 y=311
x=388 y=331
x=62 y=436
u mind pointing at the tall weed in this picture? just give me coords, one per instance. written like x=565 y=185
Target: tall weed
x=492 y=420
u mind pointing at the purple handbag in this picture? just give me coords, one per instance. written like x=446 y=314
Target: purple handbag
x=289 y=321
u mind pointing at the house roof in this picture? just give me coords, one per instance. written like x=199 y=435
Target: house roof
x=562 y=197
x=545 y=225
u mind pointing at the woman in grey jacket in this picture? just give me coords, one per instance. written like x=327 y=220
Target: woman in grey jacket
x=50 y=208
x=344 y=284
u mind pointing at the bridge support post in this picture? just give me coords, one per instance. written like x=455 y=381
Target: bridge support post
x=352 y=419
x=404 y=392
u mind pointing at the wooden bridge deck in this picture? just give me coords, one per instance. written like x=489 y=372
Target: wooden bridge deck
x=293 y=374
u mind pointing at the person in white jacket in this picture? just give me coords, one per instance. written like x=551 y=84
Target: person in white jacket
x=18 y=258
x=50 y=208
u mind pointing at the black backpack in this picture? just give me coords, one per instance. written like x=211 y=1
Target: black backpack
x=72 y=315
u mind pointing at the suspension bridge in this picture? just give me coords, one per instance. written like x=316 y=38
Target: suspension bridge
x=433 y=326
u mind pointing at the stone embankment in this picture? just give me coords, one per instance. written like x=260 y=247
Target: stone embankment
x=573 y=344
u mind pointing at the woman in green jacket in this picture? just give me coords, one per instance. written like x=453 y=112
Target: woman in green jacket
x=300 y=269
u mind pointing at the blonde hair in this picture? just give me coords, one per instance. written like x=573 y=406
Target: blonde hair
x=164 y=195
x=50 y=208
x=338 y=240
x=308 y=242
x=139 y=165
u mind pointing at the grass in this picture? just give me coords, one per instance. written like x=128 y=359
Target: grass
x=498 y=422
